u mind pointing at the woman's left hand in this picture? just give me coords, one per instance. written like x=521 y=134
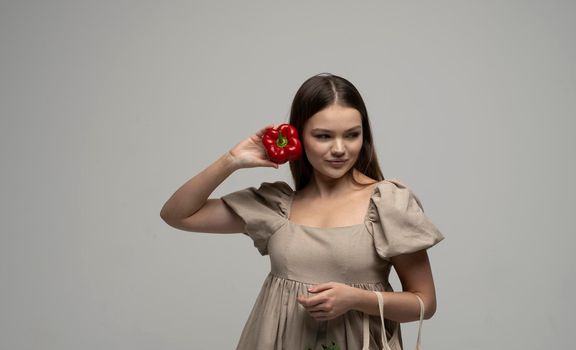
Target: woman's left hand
x=332 y=299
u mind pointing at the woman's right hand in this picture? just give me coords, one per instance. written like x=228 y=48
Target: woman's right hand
x=251 y=153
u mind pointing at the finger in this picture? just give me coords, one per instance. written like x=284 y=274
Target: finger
x=271 y=165
x=304 y=302
x=321 y=315
x=268 y=163
x=320 y=287
x=263 y=130
x=302 y=299
x=319 y=308
x=318 y=313
x=312 y=301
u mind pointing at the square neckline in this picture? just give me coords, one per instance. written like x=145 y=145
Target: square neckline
x=366 y=213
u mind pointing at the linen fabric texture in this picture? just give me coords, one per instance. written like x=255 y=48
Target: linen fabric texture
x=302 y=256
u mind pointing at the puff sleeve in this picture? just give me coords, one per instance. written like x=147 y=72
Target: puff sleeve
x=263 y=210
x=398 y=223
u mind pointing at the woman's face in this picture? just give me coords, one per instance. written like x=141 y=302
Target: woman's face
x=334 y=133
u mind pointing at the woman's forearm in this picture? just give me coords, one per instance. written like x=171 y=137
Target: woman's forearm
x=192 y=195
x=398 y=306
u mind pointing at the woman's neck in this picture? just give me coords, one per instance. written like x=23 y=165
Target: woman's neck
x=326 y=188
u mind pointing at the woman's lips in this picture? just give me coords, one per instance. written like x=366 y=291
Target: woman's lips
x=337 y=163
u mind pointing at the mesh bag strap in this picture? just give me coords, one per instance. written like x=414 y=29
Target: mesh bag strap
x=385 y=346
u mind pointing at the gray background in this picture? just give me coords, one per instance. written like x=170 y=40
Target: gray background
x=107 y=107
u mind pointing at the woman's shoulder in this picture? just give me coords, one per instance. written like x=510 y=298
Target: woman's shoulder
x=399 y=223
x=274 y=190
x=268 y=199
x=277 y=184
x=265 y=191
x=397 y=193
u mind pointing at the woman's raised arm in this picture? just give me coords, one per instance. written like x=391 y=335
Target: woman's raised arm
x=190 y=209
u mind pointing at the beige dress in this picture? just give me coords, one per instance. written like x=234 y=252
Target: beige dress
x=302 y=256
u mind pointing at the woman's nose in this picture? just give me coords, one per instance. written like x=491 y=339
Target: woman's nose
x=338 y=147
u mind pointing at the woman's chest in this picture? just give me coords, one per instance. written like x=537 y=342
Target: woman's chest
x=339 y=254
x=347 y=211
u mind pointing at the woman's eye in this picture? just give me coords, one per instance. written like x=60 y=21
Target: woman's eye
x=324 y=136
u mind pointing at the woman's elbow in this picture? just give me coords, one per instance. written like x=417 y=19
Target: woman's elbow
x=165 y=216
x=170 y=219
x=429 y=309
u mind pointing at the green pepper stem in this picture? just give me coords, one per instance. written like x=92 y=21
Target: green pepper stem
x=281 y=141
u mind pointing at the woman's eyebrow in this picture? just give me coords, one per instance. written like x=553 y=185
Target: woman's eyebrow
x=326 y=130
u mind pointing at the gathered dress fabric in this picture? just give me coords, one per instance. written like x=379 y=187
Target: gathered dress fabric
x=302 y=256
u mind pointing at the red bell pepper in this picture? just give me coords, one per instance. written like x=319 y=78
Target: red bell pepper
x=282 y=143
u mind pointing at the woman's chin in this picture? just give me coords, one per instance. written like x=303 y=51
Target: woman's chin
x=332 y=173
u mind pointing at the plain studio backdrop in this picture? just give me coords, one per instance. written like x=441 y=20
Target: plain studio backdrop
x=107 y=107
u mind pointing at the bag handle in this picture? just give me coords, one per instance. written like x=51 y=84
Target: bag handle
x=366 y=324
x=420 y=323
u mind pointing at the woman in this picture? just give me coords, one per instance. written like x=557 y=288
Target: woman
x=332 y=241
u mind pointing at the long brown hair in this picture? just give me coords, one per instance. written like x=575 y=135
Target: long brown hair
x=317 y=93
